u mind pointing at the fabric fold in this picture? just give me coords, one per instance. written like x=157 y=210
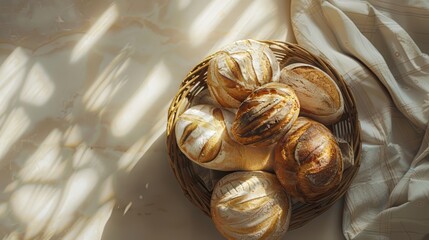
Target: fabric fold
x=389 y=77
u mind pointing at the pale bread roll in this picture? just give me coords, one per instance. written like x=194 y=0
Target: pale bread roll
x=265 y=115
x=202 y=134
x=318 y=94
x=308 y=161
x=250 y=205
x=238 y=69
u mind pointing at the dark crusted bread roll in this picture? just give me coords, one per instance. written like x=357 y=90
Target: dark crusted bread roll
x=308 y=161
x=265 y=115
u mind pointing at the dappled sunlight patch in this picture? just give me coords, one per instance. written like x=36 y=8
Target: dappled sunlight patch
x=103 y=23
x=13 y=65
x=12 y=73
x=33 y=205
x=38 y=87
x=207 y=22
x=246 y=17
x=73 y=136
x=250 y=24
x=100 y=93
x=86 y=131
x=130 y=158
x=75 y=192
x=83 y=157
x=150 y=94
x=92 y=227
x=14 y=126
x=106 y=190
x=46 y=164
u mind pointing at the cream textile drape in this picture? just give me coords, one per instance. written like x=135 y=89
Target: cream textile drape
x=379 y=47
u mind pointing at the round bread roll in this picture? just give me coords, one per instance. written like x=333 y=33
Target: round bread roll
x=238 y=69
x=202 y=134
x=308 y=161
x=265 y=115
x=318 y=94
x=250 y=205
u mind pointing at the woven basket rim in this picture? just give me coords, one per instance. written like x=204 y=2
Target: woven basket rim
x=193 y=186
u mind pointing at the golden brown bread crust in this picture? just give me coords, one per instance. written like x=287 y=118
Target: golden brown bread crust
x=238 y=69
x=204 y=126
x=265 y=115
x=308 y=161
x=319 y=95
x=202 y=134
x=317 y=76
x=250 y=205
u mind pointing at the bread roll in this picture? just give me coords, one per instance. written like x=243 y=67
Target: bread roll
x=318 y=94
x=238 y=69
x=202 y=134
x=308 y=161
x=250 y=205
x=265 y=115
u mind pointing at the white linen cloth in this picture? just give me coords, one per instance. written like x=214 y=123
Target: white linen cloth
x=379 y=47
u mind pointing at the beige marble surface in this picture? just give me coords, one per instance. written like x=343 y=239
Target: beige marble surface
x=85 y=87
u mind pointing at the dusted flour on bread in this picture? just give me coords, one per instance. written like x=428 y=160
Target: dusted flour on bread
x=202 y=134
x=318 y=94
x=250 y=205
x=238 y=69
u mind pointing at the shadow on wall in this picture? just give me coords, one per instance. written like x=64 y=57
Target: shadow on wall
x=83 y=111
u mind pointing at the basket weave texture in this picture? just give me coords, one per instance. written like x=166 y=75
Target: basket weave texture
x=286 y=53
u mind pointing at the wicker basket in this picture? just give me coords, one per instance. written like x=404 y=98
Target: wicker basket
x=347 y=128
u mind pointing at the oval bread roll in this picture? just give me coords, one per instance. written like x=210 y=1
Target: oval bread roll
x=250 y=205
x=202 y=134
x=265 y=115
x=318 y=94
x=238 y=69
x=308 y=161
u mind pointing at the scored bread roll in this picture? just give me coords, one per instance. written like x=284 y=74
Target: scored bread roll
x=202 y=134
x=250 y=205
x=239 y=68
x=308 y=161
x=318 y=94
x=265 y=115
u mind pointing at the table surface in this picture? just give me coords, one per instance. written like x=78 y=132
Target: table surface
x=85 y=88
